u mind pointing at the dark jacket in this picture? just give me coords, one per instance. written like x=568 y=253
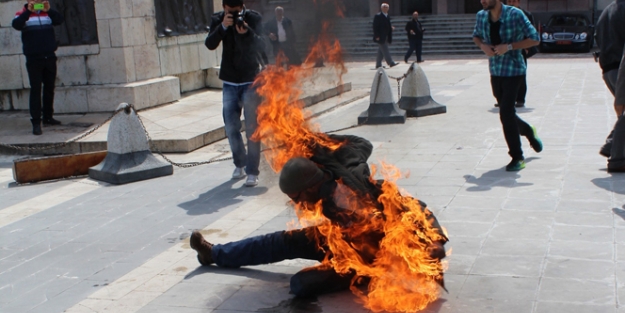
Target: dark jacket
x=382 y=28
x=272 y=27
x=38 y=38
x=610 y=35
x=532 y=50
x=242 y=55
x=416 y=27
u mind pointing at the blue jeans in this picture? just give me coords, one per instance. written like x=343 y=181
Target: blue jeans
x=235 y=99
x=285 y=245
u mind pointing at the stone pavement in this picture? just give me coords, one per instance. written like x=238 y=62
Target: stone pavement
x=550 y=238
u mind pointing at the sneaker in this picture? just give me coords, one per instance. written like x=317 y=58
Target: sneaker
x=202 y=247
x=51 y=122
x=535 y=142
x=252 y=180
x=515 y=165
x=238 y=173
x=37 y=129
x=496 y=105
x=520 y=104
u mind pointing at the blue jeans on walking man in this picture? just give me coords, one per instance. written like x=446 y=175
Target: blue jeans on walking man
x=416 y=45
x=237 y=98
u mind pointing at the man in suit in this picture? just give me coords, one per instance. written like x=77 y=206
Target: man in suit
x=383 y=36
x=282 y=37
x=415 y=37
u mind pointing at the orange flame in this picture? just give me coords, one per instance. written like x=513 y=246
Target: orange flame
x=389 y=237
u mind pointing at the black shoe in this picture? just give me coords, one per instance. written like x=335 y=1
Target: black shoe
x=37 y=129
x=51 y=122
x=520 y=104
x=420 y=61
x=202 y=247
x=606 y=149
x=406 y=60
x=496 y=105
x=394 y=64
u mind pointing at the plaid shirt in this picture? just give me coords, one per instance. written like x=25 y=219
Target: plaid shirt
x=514 y=28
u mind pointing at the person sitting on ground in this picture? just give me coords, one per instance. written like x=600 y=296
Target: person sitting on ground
x=329 y=177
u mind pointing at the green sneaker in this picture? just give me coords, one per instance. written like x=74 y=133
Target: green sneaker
x=535 y=142
x=515 y=165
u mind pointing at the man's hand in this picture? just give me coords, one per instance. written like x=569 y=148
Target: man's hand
x=377 y=38
x=489 y=50
x=273 y=37
x=46 y=6
x=241 y=29
x=393 y=27
x=228 y=20
x=501 y=49
x=30 y=6
x=412 y=32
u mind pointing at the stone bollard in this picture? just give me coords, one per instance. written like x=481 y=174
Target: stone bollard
x=415 y=94
x=382 y=108
x=129 y=158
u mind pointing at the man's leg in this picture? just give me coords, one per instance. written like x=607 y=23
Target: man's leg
x=269 y=248
x=419 y=47
x=411 y=48
x=35 y=70
x=49 y=76
x=506 y=89
x=616 y=162
x=318 y=280
x=387 y=54
x=520 y=98
x=610 y=81
x=378 y=59
x=251 y=100
x=232 y=107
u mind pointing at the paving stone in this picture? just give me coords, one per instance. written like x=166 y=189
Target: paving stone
x=546 y=307
x=582 y=250
x=499 y=288
x=495 y=246
x=576 y=291
x=583 y=233
x=517 y=266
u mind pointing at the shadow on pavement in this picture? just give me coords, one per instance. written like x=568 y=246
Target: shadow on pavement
x=496 y=178
x=246 y=272
x=220 y=197
x=495 y=110
x=615 y=183
x=619 y=212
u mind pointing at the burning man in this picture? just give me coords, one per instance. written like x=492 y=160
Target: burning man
x=338 y=184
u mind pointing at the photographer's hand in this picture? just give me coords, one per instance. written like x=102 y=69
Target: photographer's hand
x=228 y=20
x=241 y=29
x=31 y=7
x=46 y=6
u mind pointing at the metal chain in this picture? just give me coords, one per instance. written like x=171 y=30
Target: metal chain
x=398 y=86
x=61 y=144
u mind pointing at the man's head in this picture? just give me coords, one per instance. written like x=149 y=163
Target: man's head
x=489 y=4
x=514 y=3
x=232 y=5
x=415 y=15
x=300 y=180
x=384 y=8
x=279 y=13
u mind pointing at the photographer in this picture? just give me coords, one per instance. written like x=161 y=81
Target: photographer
x=240 y=31
x=35 y=21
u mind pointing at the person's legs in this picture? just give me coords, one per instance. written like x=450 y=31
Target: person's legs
x=418 y=48
x=269 y=248
x=318 y=280
x=35 y=77
x=291 y=52
x=378 y=58
x=505 y=89
x=387 y=54
x=610 y=81
x=616 y=162
x=49 y=76
x=251 y=100
x=411 y=48
x=232 y=106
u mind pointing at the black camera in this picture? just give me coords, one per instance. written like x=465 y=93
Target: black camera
x=239 y=18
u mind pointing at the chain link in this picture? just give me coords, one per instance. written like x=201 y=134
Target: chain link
x=61 y=144
x=399 y=79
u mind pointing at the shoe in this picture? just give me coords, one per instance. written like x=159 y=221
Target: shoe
x=496 y=105
x=252 y=180
x=51 y=122
x=394 y=64
x=37 y=129
x=420 y=61
x=520 y=104
x=612 y=169
x=606 y=149
x=535 y=142
x=238 y=173
x=406 y=61
x=515 y=165
x=202 y=247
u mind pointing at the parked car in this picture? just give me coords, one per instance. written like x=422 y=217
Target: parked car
x=567 y=32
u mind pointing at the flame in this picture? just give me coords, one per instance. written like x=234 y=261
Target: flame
x=388 y=238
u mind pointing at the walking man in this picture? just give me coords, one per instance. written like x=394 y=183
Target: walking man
x=35 y=21
x=415 y=37
x=282 y=37
x=501 y=32
x=520 y=98
x=383 y=36
x=241 y=61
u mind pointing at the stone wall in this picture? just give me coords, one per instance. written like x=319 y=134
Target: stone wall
x=130 y=63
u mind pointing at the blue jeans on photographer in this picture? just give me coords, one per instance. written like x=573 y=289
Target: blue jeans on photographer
x=237 y=98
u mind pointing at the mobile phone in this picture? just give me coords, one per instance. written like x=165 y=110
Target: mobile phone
x=38 y=6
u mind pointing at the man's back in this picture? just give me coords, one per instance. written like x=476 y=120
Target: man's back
x=610 y=35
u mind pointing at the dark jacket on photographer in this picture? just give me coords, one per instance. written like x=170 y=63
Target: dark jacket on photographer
x=610 y=35
x=242 y=56
x=38 y=40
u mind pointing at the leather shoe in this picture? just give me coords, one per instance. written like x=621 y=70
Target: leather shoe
x=37 y=129
x=202 y=247
x=51 y=122
x=394 y=64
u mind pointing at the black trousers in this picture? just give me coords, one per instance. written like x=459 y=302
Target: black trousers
x=520 y=97
x=288 y=48
x=505 y=90
x=416 y=45
x=41 y=71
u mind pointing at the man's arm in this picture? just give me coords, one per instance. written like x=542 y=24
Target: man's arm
x=530 y=35
x=376 y=27
x=486 y=48
x=19 y=22
x=217 y=32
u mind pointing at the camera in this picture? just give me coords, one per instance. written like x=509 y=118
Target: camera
x=38 y=6
x=239 y=18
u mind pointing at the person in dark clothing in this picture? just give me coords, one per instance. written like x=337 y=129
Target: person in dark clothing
x=330 y=177
x=520 y=98
x=36 y=21
x=383 y=36
x=415 y=37
x=282 y=37
x=240 y=31
x=501 y=31
x=610 y=38
x=616 y=162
